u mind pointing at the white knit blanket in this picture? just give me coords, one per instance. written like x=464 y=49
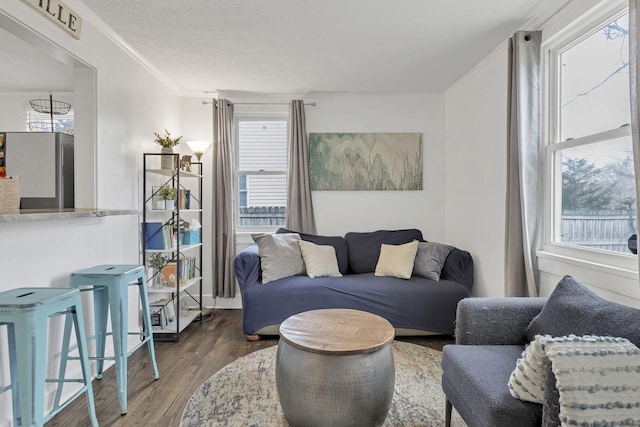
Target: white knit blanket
x=598 y=378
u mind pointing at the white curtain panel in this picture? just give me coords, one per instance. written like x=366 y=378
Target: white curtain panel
x=524 y=164
x=223 y=238
x=299 y=206
x=634 y=84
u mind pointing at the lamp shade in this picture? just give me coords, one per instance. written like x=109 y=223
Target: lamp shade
x=198 y=147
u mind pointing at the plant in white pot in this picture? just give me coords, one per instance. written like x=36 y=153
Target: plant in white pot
x=156 y=261
x=168 y=194
x=167 y=143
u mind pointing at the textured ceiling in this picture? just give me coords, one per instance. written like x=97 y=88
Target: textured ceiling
x=299 y=46
x=292 y=46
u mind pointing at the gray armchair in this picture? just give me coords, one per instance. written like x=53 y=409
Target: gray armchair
x=491 y=334
x=490 y=337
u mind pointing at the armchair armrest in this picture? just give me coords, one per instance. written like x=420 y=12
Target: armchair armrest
x=495 y=321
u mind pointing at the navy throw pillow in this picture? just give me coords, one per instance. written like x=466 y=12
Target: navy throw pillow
x=364 y=248
x=573 y=309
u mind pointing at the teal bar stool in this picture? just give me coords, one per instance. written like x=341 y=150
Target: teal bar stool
x=110 y=287
x=25 y=312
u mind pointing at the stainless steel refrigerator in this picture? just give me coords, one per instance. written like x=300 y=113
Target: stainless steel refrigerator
x=44 y=163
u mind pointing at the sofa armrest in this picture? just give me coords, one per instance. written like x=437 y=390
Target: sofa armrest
x=495 y=321
x=247 y=266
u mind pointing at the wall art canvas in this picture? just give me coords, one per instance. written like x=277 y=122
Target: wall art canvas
x=365 y=161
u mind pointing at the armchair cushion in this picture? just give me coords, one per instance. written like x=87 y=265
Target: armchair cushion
x=475 y=380
x=573 y=309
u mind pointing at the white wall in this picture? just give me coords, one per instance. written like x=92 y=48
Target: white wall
x=131 y=105
x=475 y=180
x=197 y=124
x=338 y=212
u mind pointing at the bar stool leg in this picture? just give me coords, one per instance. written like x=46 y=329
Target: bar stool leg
x=29 y=340
x=64 y=357
x=84 y=360
x=119 y=326
x=13 y=363
x=100 y=312
x=146 y=316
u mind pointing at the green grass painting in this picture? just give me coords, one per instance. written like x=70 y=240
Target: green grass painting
x=365 y=161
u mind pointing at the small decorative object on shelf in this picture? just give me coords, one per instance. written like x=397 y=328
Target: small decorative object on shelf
x=157 y=200
x=185 y=163
x=167 y=143
x=156 y=261
x=191 y=234
x=168 y=194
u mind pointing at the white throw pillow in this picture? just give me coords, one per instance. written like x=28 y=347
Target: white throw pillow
x=579 y=362
x=319 y=260
x=397 y=260
x=527 y=379
x=279 y=255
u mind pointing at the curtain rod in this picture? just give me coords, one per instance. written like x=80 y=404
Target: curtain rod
x=313 y=104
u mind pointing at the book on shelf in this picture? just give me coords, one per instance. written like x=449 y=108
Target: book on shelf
x=187 y=271
x=157 y=236
x=184 y=198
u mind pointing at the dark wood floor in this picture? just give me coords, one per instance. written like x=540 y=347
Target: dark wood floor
x=204 y=348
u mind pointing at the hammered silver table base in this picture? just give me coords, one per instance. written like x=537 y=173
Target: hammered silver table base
x=334 y=390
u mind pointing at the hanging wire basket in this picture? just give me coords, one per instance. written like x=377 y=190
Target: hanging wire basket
x=49 y=106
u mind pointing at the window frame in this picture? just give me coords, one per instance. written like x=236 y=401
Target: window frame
x=238 y=117
x=551 y=250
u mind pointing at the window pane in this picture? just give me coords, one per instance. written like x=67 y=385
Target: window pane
x=262 y=145
x=262 y=201
x=40 y=122
x=598 y=195
x=594 y=82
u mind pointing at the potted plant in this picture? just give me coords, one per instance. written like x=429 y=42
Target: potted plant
x=167 y=143
x=156 y=261
x=168 y=194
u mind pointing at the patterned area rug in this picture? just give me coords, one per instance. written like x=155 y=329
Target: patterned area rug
x=243 y=393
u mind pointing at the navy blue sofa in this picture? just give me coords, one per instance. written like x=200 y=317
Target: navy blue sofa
x=415 y=306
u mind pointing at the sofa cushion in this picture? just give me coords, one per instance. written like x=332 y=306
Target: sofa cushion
x=319 y=260
x=430 y=259
x=475 y=380
x=364 y=248
x=573 y=309
x=338 y=243
x=397 y=260
x=280 y=255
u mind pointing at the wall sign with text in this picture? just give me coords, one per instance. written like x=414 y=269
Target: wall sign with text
x=60 y=13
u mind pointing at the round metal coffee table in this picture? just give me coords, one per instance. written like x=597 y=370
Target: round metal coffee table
x=335 y=368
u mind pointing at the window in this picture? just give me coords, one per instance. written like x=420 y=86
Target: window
x=41 y=122
x=590 y=152
x=262 y=172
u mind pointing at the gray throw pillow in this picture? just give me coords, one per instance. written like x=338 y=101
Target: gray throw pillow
x=280 y=255
x=430 y=259
x=573 y=309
